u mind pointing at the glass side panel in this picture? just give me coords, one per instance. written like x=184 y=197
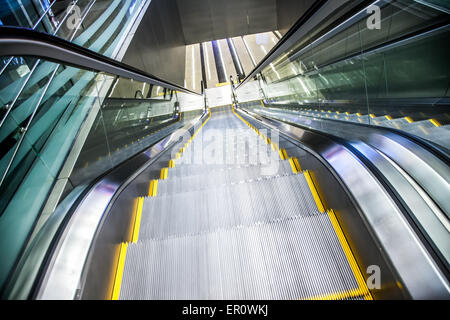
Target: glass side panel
x=396 y=76
x=16 y=70
x=22 y=13
x=125 y=124
x=97 y=25
x=66 y=128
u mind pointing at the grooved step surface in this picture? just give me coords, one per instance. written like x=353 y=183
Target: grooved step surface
x=246 y=171
x=291 y=259
x=197 y=179
x=232 y=232
x=226 y=206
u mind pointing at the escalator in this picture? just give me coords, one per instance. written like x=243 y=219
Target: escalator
x=227 y=231
x=135 y=198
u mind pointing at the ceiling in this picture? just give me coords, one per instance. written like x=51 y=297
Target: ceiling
x=205 y=20
x=158 y=45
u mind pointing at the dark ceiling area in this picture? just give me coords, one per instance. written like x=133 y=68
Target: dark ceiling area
x=205 y=20
x=159 y=44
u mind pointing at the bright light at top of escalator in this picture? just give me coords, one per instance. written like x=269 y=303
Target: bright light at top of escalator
x=221 y=58
x=305 y=88
x=293 y=70
x=205 y=49
x=193 y=68
x=263 y=49
x=249 y=51
x=235 y=54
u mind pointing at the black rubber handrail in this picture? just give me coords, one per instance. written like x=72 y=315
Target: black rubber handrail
x=16 y=41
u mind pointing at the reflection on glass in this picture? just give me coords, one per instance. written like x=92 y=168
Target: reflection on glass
x=133 y=116
x=396 y=77
x=68 y=127
x=62 y=126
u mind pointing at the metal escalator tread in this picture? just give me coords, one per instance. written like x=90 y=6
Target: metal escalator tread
x=244 y=170
x=227 y=232
x=277 y=260
x=211 y=209
x=176 y=183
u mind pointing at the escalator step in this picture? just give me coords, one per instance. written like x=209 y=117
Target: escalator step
x=198 y=180
x=235 y=231
x=202 y=169
x=276 y=260
x=226 y=206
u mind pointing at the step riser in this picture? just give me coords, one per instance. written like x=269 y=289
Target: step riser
x=225 y=207
x=216 y=178
x=270 y=261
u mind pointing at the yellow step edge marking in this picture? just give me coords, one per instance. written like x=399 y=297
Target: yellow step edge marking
x=358 y=114
x=155 y=188
x=266 y=139
x=280 y=152
x=262 y=103
x=119 y=272
x=435 y=122
x=285 y=156
x=291 y=162
x=409 y=119
x=388 y=117
x=163 y=174
x=372 y=115
x=171 y=164
x=314 y=192
x=137 y=220
x=164 y=171
x=150 y=188
x=348 y=294
x=351 y=259
x=133 y=219
x=221 y=84
x=297 y=164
